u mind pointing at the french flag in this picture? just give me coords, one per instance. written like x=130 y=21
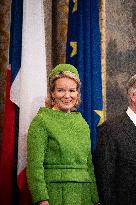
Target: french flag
x=29 y=77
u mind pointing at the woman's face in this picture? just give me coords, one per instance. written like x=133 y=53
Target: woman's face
x=65 y=94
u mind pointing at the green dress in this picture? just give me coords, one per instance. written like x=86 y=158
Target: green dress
x=59 y=166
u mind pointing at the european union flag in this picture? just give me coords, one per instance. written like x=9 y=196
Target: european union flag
x=83 y=51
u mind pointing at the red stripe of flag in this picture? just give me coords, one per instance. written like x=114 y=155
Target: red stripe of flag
x=24 y=194
x=7 y=148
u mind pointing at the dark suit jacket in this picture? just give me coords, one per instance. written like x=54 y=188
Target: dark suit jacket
x=115 y=162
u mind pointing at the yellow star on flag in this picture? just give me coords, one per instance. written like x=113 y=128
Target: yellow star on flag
x=101 y=115
x=75 y=6
x=73 y=44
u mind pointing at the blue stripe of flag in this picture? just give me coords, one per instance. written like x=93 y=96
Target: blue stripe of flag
x=15 y=37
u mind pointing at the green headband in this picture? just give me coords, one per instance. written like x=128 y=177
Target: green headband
x=62 y=68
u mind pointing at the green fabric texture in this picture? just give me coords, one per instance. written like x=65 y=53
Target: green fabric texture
x=58 y=151
x=63 y=67
x=70 y=193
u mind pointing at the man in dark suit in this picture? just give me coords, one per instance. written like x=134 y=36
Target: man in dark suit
x=115 y=157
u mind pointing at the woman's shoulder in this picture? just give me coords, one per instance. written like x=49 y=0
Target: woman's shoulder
x=40 y=115
x=42 y=110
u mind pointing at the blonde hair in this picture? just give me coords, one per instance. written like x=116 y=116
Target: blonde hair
x=51 y=87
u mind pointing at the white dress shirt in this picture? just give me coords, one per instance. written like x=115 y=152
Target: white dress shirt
x=132 y=115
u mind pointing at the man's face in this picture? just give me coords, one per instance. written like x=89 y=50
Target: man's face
x=132 y=96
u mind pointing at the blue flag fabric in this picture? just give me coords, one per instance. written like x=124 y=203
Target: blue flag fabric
x=83 y=51
x=15 y=37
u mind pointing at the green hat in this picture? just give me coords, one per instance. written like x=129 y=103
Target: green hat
x=62 y=68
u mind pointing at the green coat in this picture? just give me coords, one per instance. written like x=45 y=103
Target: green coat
x=58 y=152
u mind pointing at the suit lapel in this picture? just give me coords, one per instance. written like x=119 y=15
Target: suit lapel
x=129 y=127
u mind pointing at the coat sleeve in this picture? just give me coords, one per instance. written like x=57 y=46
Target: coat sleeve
x=36 y=152
x=105 y=166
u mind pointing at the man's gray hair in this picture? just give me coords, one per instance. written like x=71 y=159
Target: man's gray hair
x=131 y=85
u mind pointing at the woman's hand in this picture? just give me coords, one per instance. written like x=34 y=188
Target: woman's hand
x=44 y=203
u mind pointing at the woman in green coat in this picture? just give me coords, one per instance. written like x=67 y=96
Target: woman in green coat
x=59 y=166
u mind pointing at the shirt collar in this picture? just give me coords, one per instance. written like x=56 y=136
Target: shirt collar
x=132 y=115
